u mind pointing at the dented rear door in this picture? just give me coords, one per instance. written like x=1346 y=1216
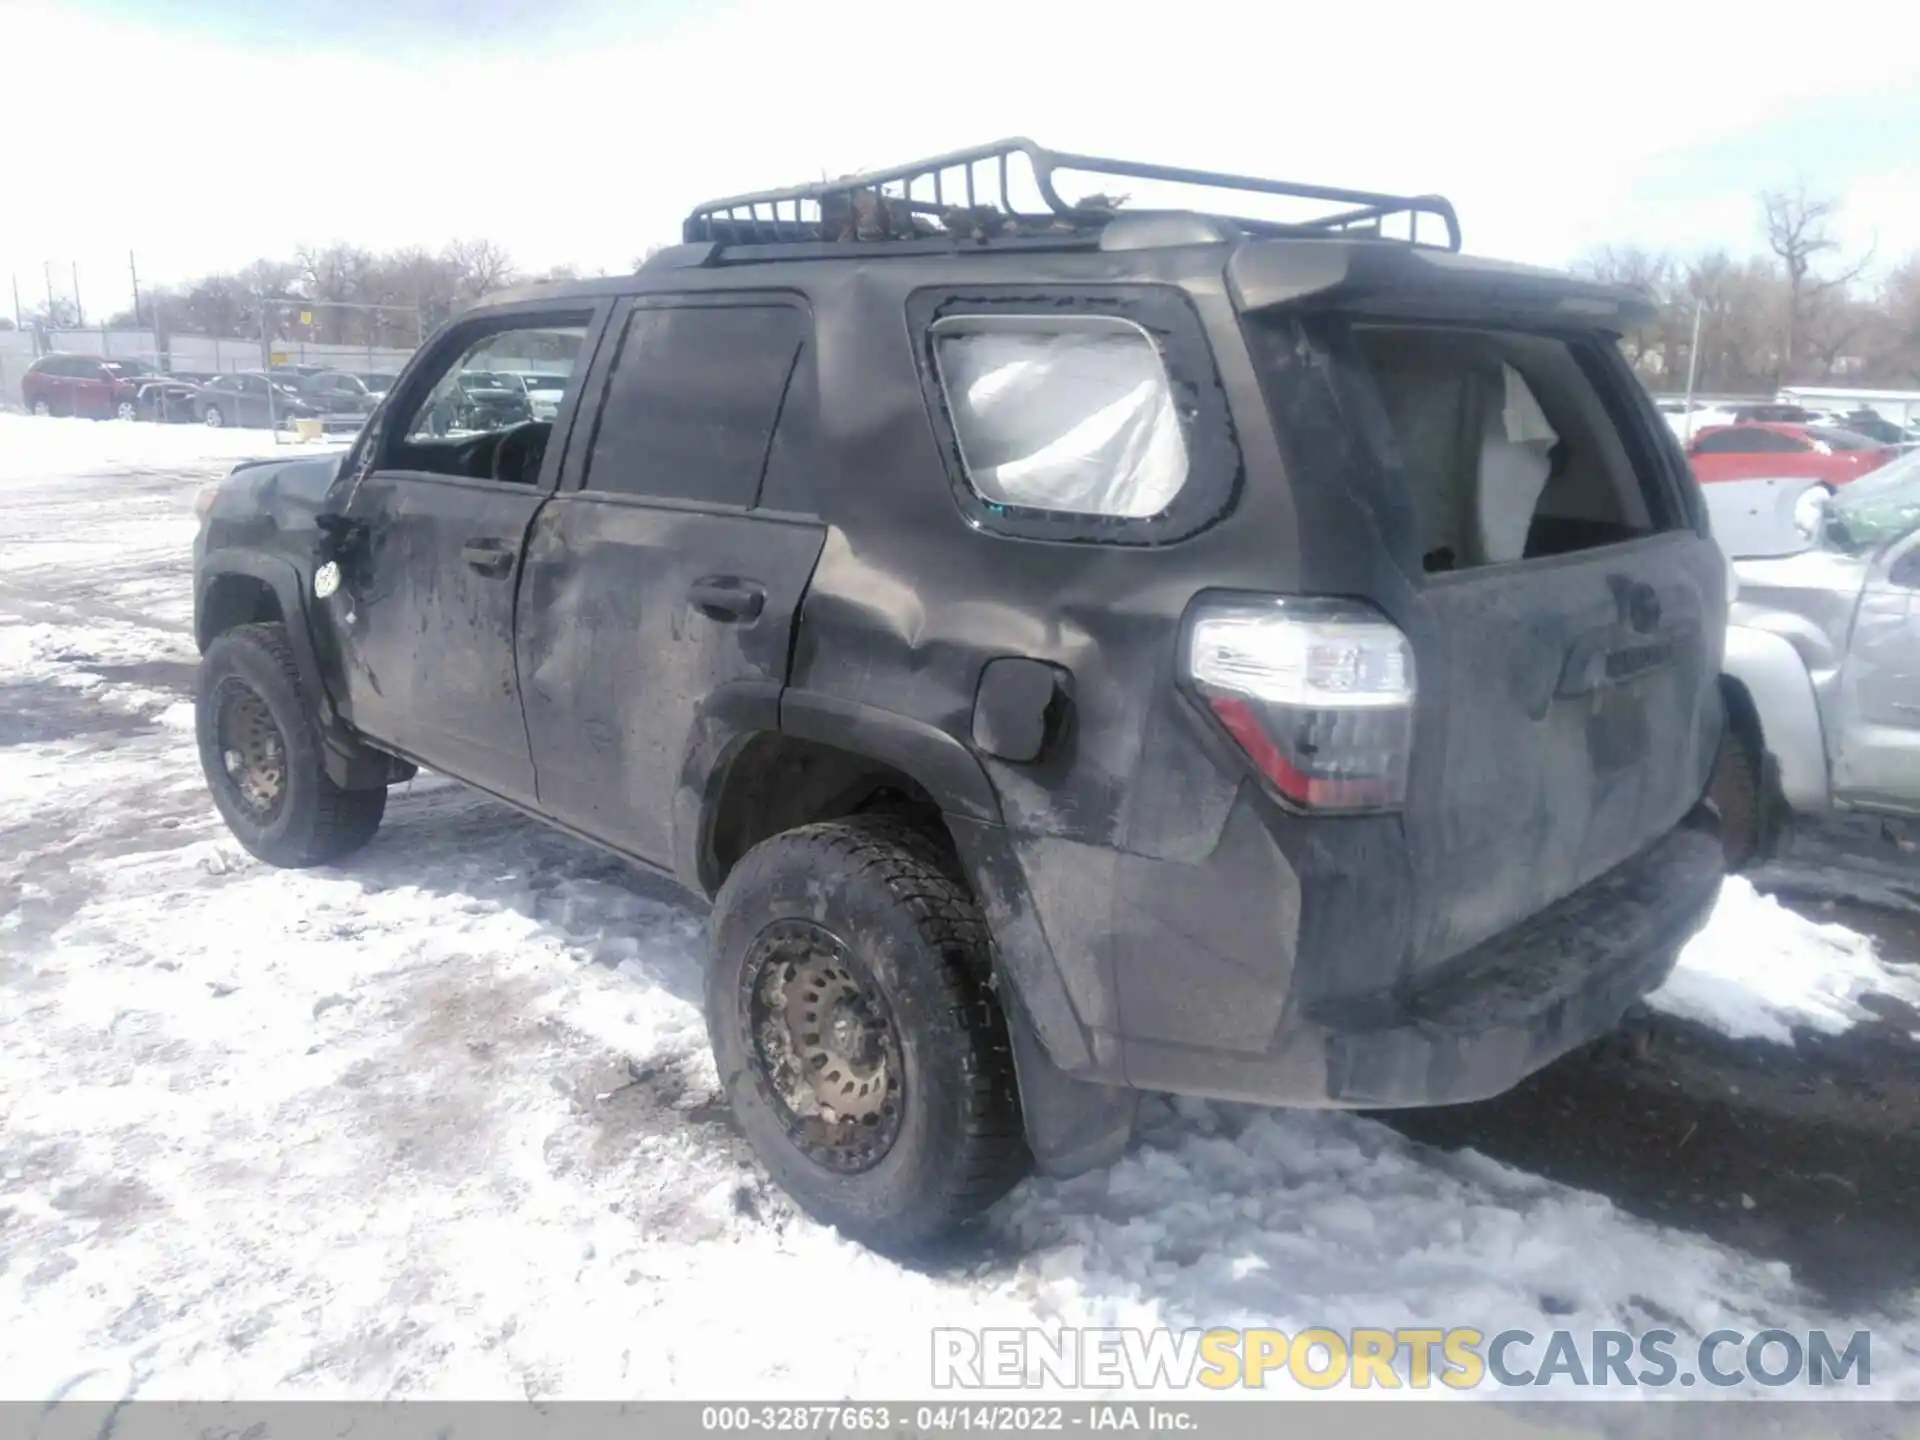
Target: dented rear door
x=666 y=574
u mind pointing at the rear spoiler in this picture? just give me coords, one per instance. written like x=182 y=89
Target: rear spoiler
x=1424 y=283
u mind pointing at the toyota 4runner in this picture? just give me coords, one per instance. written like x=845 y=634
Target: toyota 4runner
x=1079 y=647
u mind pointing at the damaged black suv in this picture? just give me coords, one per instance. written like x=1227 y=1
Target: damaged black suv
x=1080 y=647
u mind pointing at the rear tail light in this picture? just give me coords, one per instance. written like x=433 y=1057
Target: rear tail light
x=1317 y=692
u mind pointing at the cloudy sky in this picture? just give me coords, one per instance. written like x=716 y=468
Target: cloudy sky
x=203 y=133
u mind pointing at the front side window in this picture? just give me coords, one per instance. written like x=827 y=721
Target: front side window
x=458 y=419
x=469 y=399
x=1070 y=415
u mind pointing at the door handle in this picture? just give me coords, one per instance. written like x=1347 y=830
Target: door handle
x=728 y=598
x=492 y=558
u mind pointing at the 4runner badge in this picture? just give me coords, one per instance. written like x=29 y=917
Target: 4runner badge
x=326 y=579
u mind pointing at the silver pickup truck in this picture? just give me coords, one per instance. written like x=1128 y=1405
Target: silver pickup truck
x=1822 y=666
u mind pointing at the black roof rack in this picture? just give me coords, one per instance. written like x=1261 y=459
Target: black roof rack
x=968 y=194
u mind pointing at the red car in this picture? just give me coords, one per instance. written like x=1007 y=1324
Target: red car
x=1769 y=450
x=84 y=385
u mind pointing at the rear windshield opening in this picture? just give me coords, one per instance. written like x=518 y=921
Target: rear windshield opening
x=1508 y=451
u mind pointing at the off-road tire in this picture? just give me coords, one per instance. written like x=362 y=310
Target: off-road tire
x=894 y=898
x=1738 y=792
x=316 y=820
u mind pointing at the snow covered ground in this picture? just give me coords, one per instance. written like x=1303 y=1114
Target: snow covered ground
x=1760 y=970
x=440 y=1121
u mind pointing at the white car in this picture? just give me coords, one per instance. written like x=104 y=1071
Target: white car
x=544 y=394
x=1822 y=668
x=1677 y=412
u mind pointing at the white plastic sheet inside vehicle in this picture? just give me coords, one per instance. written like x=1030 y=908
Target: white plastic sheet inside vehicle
x=1515 y=461
x=1077 y=418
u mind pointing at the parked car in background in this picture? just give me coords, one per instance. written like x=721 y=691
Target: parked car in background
x=1823 y=652
x=378 y=383
x=1768 y=449
x=166 y=399
x=336 y=393
x=1688 y=418
x=89 y=385
x=1779 y=413
x=491 y=399
x=250 y=398
x=544 y=394
x=1877 y=428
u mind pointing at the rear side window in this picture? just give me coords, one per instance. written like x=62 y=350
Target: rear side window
x=1071 y=414
x=692 y=402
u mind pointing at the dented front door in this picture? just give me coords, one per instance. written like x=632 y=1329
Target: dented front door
x=429 y=665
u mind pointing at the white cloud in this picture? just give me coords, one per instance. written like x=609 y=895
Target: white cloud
x=1538 y=125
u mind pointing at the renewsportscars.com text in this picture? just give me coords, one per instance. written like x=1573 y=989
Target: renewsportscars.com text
x=1459 y=1358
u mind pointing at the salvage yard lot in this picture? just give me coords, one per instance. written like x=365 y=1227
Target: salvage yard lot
x=440 y=1121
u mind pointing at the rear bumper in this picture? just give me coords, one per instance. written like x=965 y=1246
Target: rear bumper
x=1486 y=1019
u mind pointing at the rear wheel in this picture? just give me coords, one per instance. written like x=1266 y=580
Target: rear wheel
x=261 y=753
x=1737 y=791
x=40 y=407
x=856 y=1034
x=126 y=410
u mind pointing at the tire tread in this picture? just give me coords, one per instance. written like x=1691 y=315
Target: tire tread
x=924 y=879
x=345 y=819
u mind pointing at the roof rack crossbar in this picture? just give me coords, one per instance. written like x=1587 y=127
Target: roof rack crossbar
x=882 y=204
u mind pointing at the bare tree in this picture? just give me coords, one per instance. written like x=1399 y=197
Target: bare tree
x=60 y=313
x=1654 y=349
x=479 y=266
x=1798 y=231
x=330 y=280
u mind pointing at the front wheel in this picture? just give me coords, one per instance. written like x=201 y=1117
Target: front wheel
x=856 y=1032
x=40 y=407
x=126 y=410
x=261 y=752
x=213 y=418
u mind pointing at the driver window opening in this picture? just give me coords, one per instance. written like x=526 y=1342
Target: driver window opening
x=489 y=414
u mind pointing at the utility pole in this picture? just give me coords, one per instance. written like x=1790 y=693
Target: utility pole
x=79 y=314
x=46 y=268
x=1693 y=366
x=18 y=324
x=133 y=274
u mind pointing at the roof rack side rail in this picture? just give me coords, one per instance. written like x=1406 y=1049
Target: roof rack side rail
x=971 y=191
x=1371 y=205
